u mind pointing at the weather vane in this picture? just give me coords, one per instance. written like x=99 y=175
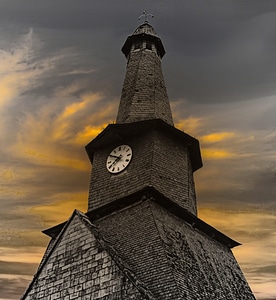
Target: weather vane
x=145 y=15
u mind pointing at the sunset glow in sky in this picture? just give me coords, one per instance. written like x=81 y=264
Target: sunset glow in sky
x=61 y=74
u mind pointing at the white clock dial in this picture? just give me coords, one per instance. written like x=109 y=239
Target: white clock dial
x=118 y=159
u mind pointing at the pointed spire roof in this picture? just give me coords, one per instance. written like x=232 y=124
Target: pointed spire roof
x=144 y=94
x=145 y=28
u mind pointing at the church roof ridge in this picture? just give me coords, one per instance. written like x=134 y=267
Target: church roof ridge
x=123 y=266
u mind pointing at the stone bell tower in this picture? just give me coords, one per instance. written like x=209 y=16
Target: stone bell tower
x=141 y=237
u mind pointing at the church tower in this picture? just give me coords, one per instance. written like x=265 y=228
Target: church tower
x=141 y=237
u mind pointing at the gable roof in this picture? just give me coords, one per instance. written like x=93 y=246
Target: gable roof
x=124 y=268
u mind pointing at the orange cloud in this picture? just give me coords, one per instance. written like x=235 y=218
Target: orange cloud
x=59 y=210
x=191 y=125
x=196 y=126
x=224 y=148
x=213 y=153
x=217 y=137
x=73 y=108
x=7 y=174
x=42 y=131
x=88 y=133
x=41 y=156
x=26 y=255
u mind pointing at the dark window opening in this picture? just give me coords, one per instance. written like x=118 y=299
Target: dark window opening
x=148 y=45
x=137 y=45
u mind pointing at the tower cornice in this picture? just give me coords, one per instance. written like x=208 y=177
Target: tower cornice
x=143 y=36
x=120 y=132
x=151 y=194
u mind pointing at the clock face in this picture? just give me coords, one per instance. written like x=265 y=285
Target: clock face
x=118 y=159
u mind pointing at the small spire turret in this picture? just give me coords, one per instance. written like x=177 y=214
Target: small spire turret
x=144 y=94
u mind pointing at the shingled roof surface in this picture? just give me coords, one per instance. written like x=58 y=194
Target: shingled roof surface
x=78 y=250
x=171 y=256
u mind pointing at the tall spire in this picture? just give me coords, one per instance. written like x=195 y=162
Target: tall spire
x=144 y=94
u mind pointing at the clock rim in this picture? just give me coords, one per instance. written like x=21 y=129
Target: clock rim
x=117 y=172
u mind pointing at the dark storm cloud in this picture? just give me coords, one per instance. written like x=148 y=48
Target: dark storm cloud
x=218 y=51
x=249 y=185
x=266 y=188
x=226 y=59
x=71 y=15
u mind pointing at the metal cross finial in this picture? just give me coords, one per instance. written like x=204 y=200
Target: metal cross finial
x=145 y=15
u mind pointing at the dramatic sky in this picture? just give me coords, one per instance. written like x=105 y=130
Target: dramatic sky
x=61 y=74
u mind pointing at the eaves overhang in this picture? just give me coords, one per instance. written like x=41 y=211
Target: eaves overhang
x=119 y=132
x=146 y=37
x=151 y=194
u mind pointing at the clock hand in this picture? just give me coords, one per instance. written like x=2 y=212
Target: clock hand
x=114 y=156
x=115 y=160
x=118 y=158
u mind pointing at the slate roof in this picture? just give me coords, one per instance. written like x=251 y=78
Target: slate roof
x=122 y=265
x=161 y=248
